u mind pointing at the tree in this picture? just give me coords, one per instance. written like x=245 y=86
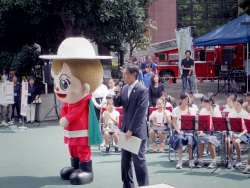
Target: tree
x=48 y=22
x=245 y=5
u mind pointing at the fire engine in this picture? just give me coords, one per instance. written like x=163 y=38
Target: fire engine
x=208 y=60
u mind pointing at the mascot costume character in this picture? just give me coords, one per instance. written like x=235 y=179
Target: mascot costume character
x=77 y=72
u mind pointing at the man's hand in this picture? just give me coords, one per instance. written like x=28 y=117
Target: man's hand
x=118 y=88
x=63 y=122
x=188 y=77
x=128 y=134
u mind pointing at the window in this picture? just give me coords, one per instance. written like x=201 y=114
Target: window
x=200 y=7
x=205 y=15
x=184 y=8
x=214 y=7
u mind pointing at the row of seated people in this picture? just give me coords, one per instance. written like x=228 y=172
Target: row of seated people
x=161 y=118
x=181 y=138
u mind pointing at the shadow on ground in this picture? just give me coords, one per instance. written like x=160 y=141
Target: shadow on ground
x=30 y=182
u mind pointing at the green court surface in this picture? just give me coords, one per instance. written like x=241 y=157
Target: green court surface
x=34 y=158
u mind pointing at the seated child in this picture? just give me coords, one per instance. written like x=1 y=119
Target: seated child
x=213 y=140
x=230 y=103
x=237 y=137
x=180 y=137
x=161 y=119
x=111 y=120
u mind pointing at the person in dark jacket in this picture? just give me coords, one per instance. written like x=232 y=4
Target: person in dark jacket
x=33 y=94
x=17 y=99
x=155 y=90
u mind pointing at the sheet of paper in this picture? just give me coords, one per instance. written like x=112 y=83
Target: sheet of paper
x=132 y=145
x=24 y=98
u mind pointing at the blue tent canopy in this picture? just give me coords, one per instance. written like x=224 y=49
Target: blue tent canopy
x=233 y=32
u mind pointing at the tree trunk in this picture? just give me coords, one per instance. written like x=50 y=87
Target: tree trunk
x=102 y=50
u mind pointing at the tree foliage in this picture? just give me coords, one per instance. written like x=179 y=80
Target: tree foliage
x=109 y=23
x=245 y=5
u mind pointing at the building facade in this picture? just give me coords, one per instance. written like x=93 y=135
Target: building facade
x=202 y=16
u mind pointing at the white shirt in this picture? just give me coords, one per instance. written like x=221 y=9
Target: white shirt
x=100 y=92
x=217 y=113
x=159 y=116
x=111 y=92
x=130 y=88
x=227 y=109
x=242 y=114
x=194 y=108
x=113 y=114
x=245 y=66
x=177 y=112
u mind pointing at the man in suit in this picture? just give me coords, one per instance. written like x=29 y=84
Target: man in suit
x=133 y=97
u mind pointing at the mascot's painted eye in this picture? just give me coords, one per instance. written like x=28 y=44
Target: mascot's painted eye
x=64 y=84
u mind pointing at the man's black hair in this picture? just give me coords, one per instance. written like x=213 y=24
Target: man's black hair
x=132 y=69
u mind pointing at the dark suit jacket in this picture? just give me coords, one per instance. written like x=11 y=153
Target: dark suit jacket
x=134 y=110
x=154 y=93
x=34 y=91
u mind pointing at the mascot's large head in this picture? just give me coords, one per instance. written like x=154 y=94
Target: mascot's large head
x=76 y=69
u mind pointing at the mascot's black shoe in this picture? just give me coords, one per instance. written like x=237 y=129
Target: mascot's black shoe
x=84 y=175
x=67 y=171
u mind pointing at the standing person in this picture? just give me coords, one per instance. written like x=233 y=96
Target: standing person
x=111 y=85
x=99 y=98
x=33 y=94
x=246 y=105
x=247 y=72
x=155 y=90
x=13 y=73
x=133 y=97
x=134 y=61
x=5 y=75
x=148 y=75
x=17 y=99
x=148 y=61
x=3 y=115
x=187 y=65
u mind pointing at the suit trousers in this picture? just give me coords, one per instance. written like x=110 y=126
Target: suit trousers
x=140 y=166
x=31 y=111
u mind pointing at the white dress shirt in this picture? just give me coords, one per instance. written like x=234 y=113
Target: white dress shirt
x=130 y=88
x=100 y=92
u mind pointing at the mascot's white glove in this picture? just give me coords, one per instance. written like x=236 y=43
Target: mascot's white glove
x=63 y=122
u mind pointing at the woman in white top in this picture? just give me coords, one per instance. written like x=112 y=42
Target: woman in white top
x=213 y=140
x=230 y=103
x=237 y=137
x=111 y=85
x=161 y=119
x=111 y=121
x=193 y=106
x=180 y=137
x=99 y=98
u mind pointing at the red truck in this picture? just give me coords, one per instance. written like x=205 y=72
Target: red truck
x=208 y=60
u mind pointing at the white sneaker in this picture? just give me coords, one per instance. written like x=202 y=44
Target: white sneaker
x=179 y=165
x=4 y=123
x=20 y=121
x=13 y=120
x=191 y=163
x=247 y=170
x=10 y=123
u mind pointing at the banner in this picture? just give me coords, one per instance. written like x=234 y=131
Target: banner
x=6 y=93
x=24 y=98
x=183 y=41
